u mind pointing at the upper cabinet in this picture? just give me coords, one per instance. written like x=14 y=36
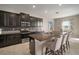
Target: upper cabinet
x=36 y=22
x=14 y=20
x=8 y=19
x=25 y=20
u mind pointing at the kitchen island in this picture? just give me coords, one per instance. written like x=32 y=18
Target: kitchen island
x=38 y=40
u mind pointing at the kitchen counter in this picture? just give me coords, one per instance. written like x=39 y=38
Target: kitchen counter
x=35 y=38
x=8 y=38
x=41 y=36
x=9 y=32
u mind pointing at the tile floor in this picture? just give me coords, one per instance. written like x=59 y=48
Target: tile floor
x=23 y=49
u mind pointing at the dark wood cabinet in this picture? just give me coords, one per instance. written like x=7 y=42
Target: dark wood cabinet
x=25 y=20
x=36 y=23
x=18 y=21
x=33 y=21
x=12 y=39
x=14 y=20
x=2 y=21
x=2 y=41
x=9 y=19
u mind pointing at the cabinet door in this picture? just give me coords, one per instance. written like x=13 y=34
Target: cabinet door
x=22 y=18
x=17 y=38
x=9 y=40
x=32 y=22
x=11 y=19
x=6 y=19
x=1 y=19
x=17 y=20
x=25 y=20
x=2 y=41
x=13 y=39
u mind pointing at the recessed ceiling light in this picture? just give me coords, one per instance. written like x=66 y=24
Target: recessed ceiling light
x=60 y=4
x=57 y=12
x=34 y=6
x=46 y=11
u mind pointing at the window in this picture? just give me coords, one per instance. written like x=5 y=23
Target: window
x=50 y=25
x=66 y=25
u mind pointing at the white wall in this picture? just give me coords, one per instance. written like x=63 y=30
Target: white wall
x=75 y=24
x=45 y=24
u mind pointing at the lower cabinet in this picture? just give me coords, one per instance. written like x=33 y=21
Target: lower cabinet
x=2 y=41
x=7 y=40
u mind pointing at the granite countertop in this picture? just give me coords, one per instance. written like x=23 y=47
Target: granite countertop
x=40 y=36
x=9 y=32
x=45 y=36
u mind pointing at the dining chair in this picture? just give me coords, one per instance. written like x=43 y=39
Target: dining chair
x=48 y=43
x=55 y=47
x=65 y=42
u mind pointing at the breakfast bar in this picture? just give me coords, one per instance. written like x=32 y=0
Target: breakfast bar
x=38 y=40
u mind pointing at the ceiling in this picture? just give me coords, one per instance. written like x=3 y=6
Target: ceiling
x=43 y=10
